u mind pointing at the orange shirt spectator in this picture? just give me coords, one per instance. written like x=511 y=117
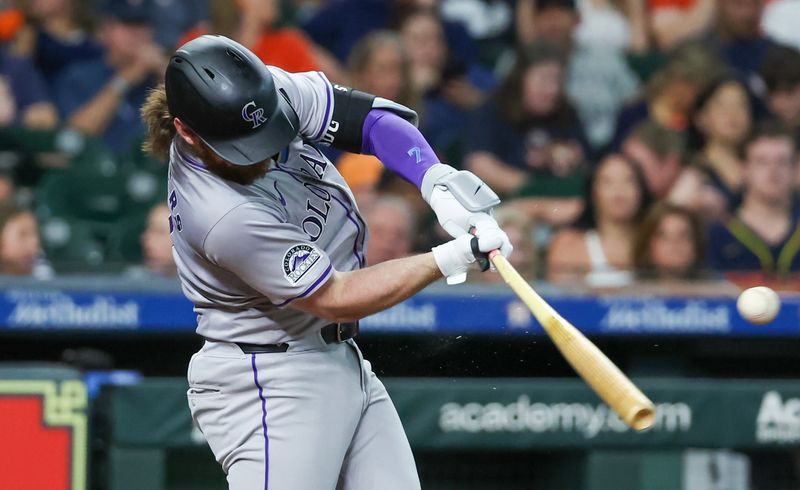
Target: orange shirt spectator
x=675 y=21
x=285 y=48
x=675 y=4
x=10 y=22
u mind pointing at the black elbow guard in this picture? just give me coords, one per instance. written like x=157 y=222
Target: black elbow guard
x=350 y=109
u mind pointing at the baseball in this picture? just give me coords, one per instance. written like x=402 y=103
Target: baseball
x=758 y=305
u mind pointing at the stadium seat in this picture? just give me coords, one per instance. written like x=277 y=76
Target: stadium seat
x=70 y=245
x=76 y=193
x=146 y=179
x=124 y=243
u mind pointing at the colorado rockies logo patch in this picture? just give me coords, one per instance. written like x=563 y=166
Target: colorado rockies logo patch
x=254 y=114
x=298 y=260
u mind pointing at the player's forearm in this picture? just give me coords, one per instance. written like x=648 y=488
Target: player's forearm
x=349 y=296
x=398 y=144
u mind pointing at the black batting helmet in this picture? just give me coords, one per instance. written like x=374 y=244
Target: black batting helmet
x=227 y=97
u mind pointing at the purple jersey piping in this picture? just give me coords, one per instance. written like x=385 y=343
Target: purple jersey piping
x=328 y=97
x=263 y=420
x=189 y=160
x=311 y=288
x=348 y=212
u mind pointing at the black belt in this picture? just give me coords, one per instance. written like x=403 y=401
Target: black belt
x=334 y=333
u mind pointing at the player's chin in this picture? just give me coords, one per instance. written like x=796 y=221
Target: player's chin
x=244 y=175
x=251 y=173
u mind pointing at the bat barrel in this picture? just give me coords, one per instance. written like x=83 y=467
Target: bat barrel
x=602 y=375
x=642 y=418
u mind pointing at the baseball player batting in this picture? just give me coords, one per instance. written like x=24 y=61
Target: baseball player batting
x=270 y=244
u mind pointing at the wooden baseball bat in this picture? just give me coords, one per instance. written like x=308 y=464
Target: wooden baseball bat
x=605 y=378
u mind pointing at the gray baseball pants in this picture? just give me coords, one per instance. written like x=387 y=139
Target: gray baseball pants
x=313 y=418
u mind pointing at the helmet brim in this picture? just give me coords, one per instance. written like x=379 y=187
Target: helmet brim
x=269 y=139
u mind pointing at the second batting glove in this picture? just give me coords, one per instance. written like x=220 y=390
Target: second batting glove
x=455 y=257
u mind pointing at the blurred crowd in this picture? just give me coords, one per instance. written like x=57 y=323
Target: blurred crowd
x=630 y=140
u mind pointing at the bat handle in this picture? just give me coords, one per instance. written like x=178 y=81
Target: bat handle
x=483 y=259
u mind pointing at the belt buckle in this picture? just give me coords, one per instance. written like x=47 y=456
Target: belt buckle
x=339 y=333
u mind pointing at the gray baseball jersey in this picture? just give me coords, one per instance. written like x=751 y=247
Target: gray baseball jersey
x=244 y=253
x=314 y=417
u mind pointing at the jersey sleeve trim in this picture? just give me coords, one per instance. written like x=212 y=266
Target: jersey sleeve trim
x=312 y=288
x=328 y=99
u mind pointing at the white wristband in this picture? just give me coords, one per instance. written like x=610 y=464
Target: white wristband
x=454 y=258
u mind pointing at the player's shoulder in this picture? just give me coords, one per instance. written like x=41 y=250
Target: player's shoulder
x=249 y=217
x=206 y=201
x=308 y=80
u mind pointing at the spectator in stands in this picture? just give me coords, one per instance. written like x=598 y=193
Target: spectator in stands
x=487 y=28
x=450 y=87
x=256 y=28
x=11 y=21
x=675 y=21
x=720 y=122
x=156 y=244
x=338 y=26
x=669 y=243
x=618 y=25
x=20 y=254
x=24 y=99
x=738 y=38
x=101 y=98
x=671 y=92
x=553 y=21
x=378 y=65
x=598 y=246
x=519 y=228
x=461 y=43
x=527 y=141
x=7 y=188
x=779 y=22
x=427 y=230
x=780 y=72
x=598 y=80
x=58 y=34
x=284 y=47
x=659 y=153
x=392 y=229
x=172 y=19
x=763 y=234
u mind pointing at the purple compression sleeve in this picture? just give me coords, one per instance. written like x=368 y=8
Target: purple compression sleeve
x=398 y=144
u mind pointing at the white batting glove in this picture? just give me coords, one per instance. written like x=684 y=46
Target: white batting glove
x=451 y=214
x=455 y=257
x=482 y=224
x=453 y=217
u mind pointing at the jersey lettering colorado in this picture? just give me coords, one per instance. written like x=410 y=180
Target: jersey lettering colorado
x=244 y=253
